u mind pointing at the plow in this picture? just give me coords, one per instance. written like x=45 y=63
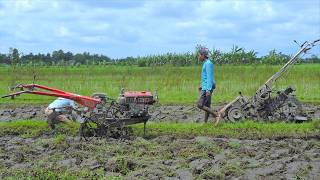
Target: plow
x=268 y=104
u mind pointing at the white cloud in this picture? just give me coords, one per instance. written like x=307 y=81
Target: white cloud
x=63 y=32
x=55 y=4
x=186 y=24
x=92 y=39
x=101 y=26
x=146 y=27
x=22 y=5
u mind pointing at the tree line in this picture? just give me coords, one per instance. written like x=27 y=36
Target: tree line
x=56 y=58
x=237 y=55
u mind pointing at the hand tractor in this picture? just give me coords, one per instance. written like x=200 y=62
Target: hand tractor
x=268 y=104
x=101 y=115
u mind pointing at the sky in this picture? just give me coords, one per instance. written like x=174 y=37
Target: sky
x=122 y=28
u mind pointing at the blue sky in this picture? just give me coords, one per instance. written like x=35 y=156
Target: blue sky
x=136 y=28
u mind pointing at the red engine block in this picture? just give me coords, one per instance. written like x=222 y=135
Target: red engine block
x=139 y=97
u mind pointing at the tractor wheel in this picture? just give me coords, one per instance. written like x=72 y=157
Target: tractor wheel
x=235 y=114
x=86 y=130
x=290 y=108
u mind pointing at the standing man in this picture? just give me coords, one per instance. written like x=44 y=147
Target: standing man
x=207 y=83
x=58 y=110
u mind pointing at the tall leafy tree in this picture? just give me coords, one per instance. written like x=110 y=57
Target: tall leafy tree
x=14 y=56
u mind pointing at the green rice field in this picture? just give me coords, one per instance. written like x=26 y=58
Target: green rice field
x=175 y=85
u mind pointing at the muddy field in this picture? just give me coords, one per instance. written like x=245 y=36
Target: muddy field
x=163 y=157
x=177 y=113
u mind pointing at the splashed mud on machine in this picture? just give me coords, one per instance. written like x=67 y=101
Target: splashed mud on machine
x=100 y=115
x=268 y=104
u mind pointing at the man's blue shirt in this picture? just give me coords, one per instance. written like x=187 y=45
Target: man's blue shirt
x=207 y=76
x=61 y=103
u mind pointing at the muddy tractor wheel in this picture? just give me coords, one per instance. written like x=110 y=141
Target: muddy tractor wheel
x=86 y=131
x=234 y=114
x=290 y=108
x=121 y=132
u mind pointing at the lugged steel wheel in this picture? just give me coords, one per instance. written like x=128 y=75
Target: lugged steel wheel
x=235 y=114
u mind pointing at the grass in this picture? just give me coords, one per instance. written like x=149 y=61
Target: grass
x=35 y=128
x=247 y=129
x=175 y=85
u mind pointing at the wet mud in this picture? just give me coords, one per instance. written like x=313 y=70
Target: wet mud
x=159 y=113
x=164 y=157
x=22 y=112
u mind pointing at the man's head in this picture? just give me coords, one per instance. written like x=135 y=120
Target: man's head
x=203 y=53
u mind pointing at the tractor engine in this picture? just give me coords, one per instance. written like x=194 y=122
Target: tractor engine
x=135 y=103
